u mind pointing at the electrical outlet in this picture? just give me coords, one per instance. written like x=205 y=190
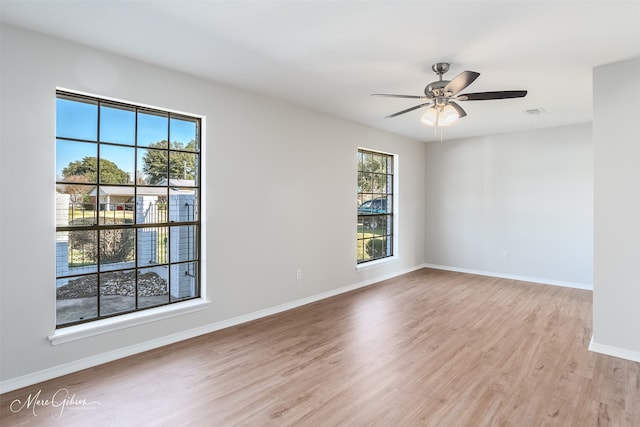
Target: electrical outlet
x=505 y=254
x=299 y=274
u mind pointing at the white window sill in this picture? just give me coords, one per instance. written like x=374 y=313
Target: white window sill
x=86 y=330
x=375 y=263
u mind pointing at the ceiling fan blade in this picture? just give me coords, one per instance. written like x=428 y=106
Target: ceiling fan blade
x=461 y=112
x=407 y=110
x=481 y=96
x=391 y=95
x=460 y=82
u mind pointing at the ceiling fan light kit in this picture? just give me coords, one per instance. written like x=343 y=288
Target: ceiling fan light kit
x=440 y=116
x=442 y=96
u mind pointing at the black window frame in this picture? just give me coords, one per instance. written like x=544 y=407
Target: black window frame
x=189 y=264
x=376 y=206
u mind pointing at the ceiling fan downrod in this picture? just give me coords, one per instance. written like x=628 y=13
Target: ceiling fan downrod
x=436 y=89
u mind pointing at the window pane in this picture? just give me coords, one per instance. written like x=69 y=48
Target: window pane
x=76 y=299
x=183 y=203
x=377 y=225
x=115 y=205
x=183 y=134
x=77 y=119
x=361 y=228
x=116 y=164
x=153 y=166
x=365 y=252
x=62 y=253
x=74 y=205
x=117 y=292
x=368 y=161
x=380 y=164
x=183 y=280
x=152 y=246
x=81 y=249
x=183 y=243
x=117 y=125
x=152 y=129
x=153 y=286
x=76 y=161
x=182 y=166
x=369 y=183
x=117 y=248
x=373 y=206
x=376 y=248
x=151 y=205
x=381 y=183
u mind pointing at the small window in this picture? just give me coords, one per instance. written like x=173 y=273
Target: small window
x=127 y=208
x=375 y=206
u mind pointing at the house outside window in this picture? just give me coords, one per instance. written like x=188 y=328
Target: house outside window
x=375 y=206
x=127 y=208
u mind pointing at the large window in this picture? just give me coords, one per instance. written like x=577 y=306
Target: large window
x=375 y=206
x=127 y=208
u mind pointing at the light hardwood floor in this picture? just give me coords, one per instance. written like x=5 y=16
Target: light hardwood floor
x=430 y=348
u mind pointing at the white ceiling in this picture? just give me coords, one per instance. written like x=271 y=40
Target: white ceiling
x=329 y=56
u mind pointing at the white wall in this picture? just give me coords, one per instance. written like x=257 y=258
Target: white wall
x=529 y=194
x=616 y=136
x=280 y=195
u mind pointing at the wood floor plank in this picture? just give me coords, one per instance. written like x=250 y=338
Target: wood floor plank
x=429 y=348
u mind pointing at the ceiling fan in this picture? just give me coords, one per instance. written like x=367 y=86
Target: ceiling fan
x=442 y=97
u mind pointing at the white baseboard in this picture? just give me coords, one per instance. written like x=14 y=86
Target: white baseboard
x=609 y=350
x=543 y=281
x=88 y=362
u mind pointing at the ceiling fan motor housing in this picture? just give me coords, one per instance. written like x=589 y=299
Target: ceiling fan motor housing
x=435 y=88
